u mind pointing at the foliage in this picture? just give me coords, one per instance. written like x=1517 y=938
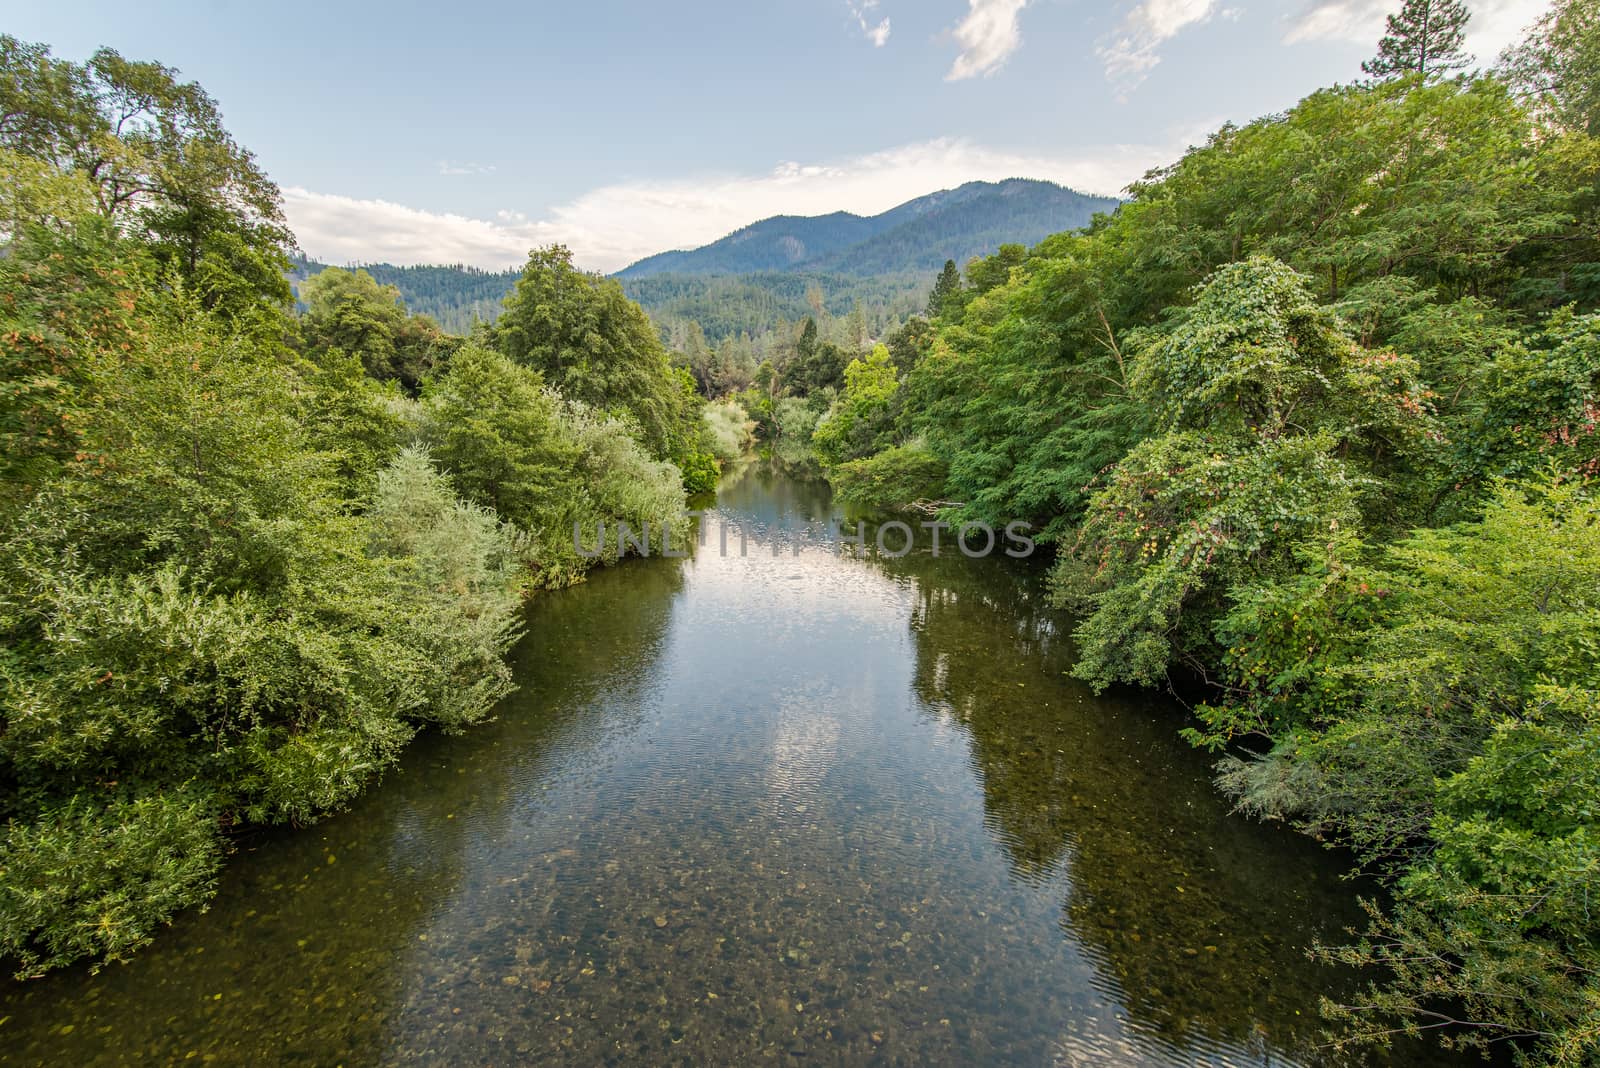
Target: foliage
x=546 y=464
x=1558 y=66
x=227 y=593
x=1263 y=412
x=455 y=296
x=861 y=420
x=1454 y=725
x=595 y=346
x=892 y=478
x=349 y=312
x=728 y=430
x=797 y=417
x=158 y=161
x=946 y=286
x=97 y=878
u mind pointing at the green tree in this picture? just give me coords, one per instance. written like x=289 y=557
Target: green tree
x=861 y=419
x=1424 y=37
x=1453 y=728
x=1271 y=425
x=158 y=160
x=350 y=312
x=546 y=464
x=588 y=340
x=947 y=285
x=1558 y=66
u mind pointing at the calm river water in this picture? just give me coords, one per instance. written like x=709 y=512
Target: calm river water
x=795 y=809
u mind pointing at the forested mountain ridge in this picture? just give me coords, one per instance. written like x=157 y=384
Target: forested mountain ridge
x=919 y=235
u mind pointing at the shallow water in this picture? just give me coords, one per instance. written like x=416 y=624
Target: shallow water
x=754 y=809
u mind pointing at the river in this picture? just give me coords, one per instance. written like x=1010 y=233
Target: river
x=806 y=808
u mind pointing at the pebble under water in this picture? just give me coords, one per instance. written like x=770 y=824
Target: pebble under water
x=750 y=809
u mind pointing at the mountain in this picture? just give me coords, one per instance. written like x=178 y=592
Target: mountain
x=918 y=236
x=789 y=266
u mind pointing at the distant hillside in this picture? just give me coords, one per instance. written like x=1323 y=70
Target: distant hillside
x=917 y=236
x=454 y=295
x=789 y=266
x=727 y=305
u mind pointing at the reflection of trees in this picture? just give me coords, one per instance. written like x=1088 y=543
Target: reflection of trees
x=1197 y=921
x=765 y=493
x=316 y=947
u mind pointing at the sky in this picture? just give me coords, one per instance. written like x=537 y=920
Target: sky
x=471 y=132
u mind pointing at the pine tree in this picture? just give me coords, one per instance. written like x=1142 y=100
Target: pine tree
x=949 y=283
x=1424 y=38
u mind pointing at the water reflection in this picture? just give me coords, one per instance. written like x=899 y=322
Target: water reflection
x=753 y=807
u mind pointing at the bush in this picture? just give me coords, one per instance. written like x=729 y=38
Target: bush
x=463 y=571
x=892 y=479
x=92 y=878
x=557 y=469
x=189 y=603
x=729 y=430
x=796 y=418
x=1454 y=729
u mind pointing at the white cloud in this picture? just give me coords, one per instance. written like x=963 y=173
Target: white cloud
x=1134 y=48
x=877 y=33
x=612 y=226
x=987 y=36
x=453 y=167
x=1495 y=23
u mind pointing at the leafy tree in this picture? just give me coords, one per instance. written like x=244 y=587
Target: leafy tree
x=1270 y=424
x=989 y=272
x=1558 y=66
x=63 y=292
x=157 y=158
x=910 y=342
x=350 y=312
x=1451 y=725
x=1424 y=37
x=861 y=419
x=588 y=340
x=893 y=478
x=544 y=463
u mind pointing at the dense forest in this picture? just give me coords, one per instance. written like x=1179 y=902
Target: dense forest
x=248 y=554
x=1313 y=425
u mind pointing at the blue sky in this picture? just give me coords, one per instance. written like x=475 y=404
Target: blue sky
x=472 y=131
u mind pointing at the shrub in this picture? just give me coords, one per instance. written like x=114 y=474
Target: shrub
x=729 y=430
x=91 y=878
x=891 y=479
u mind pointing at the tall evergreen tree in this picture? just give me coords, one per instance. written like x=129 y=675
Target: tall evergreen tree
x=1425 y=38
x=949 y=282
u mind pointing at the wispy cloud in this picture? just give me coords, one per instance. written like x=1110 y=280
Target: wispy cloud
x=452 y=166
x=865 y=12
x=614 y=225
x=987 y=36
x=1134 y=47
x=1495 y=23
